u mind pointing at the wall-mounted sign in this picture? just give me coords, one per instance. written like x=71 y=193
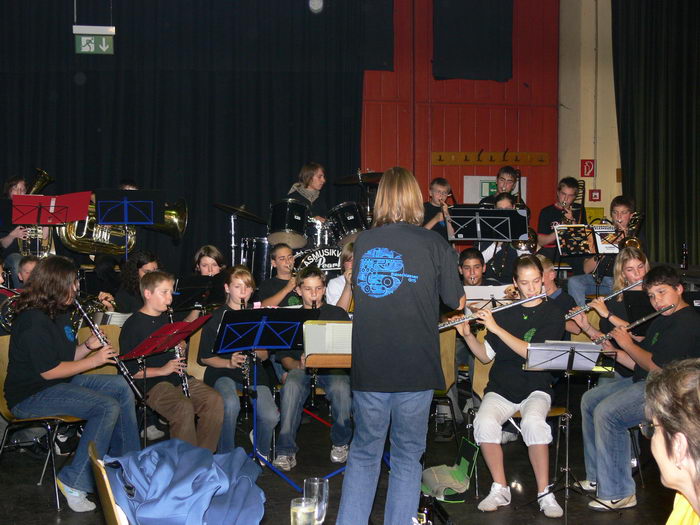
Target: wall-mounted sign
x=587 y=168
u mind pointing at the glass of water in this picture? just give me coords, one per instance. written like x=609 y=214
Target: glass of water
x=317 y=490
x=303 y=511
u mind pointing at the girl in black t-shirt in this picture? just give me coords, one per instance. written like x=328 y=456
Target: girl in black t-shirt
x=45 y=376
x=511 y=389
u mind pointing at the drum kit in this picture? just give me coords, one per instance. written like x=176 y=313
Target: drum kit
x=314 y=242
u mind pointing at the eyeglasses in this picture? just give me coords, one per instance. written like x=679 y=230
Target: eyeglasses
x=647 y=428
x=440 y=192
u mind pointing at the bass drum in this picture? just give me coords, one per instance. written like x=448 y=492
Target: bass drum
x=255 y=254
x=325 y=258
x=348 y=221
x=287 y=223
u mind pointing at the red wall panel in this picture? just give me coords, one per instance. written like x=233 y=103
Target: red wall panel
x=408 y=114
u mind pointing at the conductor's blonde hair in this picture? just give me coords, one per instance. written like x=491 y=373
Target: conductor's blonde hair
x=399 y=198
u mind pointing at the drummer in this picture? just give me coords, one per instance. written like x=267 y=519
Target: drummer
x=312 y=178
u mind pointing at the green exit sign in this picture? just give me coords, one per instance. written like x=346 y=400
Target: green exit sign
x=94 y=44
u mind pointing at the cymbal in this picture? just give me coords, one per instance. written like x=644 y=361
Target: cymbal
x=366 y=177
x=240 y=211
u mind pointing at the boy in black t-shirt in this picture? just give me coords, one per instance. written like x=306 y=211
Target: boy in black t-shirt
x=311 y=286
x=164 y=391
x=560 y=298
x=279 y=290
x=436 y=215
x=607 y=411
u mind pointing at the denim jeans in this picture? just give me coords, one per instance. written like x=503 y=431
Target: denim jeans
x=607 y=411
x=106 y=403
x=408 y=414
x=294 y=393
x=266 y=420
x=11 y=264
x=579 y=286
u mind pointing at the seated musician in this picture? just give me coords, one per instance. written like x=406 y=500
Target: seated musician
x=631 y=265
x=500 y=256
x=339 y=289
x=506 y=179
x=472 y=269
x=224 y=371
x=10 y=234
x=436 y=214
x=558 y=296
x=601 y=267
x=208 y=261
x=45 y=376
x=307 y=190
x=311 y=286
x=511 y=389
x=164 y=384
x=608 y=410
x=563 y=211
x=25 y=267
x=129 y=298
x=279 y=289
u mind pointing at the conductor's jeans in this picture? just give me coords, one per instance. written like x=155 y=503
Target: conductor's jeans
x=205 y=402
x=607 y=412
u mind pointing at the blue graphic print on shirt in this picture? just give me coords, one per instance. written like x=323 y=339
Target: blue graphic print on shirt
x=382 y=272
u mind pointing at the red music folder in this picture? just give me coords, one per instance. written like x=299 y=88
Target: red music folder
x=50 y=210
x=167 y=336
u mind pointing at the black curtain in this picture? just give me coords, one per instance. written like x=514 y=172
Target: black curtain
x=473 y=39
x=656 y=52
x=213 y=101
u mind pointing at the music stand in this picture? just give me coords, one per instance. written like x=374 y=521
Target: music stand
x=129 y=207
x=566 y=356
x=196 y=291
x=262 y=328
x=472 y=223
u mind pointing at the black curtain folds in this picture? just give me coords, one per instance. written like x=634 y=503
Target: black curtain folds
x=656 y=52
x=213 y=101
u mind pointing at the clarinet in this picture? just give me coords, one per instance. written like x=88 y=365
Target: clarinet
x=471 y=317
x=629 y=327
x=245 y=365
x=178 y=354
x=103 y=341
x=573 y=314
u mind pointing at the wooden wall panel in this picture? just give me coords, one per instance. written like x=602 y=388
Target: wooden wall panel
x=408 y=114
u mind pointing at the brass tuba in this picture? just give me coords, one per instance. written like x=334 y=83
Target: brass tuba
x=35 y=243
x=175 y=220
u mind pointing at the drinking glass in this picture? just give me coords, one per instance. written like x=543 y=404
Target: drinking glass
x=317 y=490
x=303 y=511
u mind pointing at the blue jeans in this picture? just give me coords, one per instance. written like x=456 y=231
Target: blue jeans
x=294 y=393
x=408 y=414
x=106 y=403
x=579 y=286
x=607 y=411
x=11 y=264
x=266 y=409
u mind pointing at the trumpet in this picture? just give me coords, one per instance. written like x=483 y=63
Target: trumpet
x=471 y=317
x=583 y=309
x=103 y=341
x=178 y=355
x=629 y=327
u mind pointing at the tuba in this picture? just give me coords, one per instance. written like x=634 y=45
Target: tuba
x=35 y=244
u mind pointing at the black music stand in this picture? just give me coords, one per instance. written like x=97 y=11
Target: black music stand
x=474 y=223
x=567 y=356
x=197 y=291
x=263 y=328
x=129 y=207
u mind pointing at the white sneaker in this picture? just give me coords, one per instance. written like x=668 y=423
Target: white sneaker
x=588 y=486
x=285 y=463
x=339 y=453
x=605 y=505
x=77 y=499
x=499 y=496
x=153 y=433
x=549 y=505
x=508 y=437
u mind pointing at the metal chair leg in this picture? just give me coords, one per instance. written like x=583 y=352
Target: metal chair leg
x=637 y=453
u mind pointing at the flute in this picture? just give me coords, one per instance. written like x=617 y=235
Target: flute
x=471 y=317
x=103 y=341
x=178 y=354
x=583 y=309
x=644 y=319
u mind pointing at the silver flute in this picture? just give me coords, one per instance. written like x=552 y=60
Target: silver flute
x=178 y=355
x=583 y=309
x=103 y=341
x=471 y=317
x=629 y=327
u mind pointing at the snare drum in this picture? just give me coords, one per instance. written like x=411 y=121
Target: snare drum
x=348 y=221
x=255 y=254
x=288 y=219
x=319 y=234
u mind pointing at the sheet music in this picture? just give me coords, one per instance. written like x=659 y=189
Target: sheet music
x=555 y=355
x=327 y=337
